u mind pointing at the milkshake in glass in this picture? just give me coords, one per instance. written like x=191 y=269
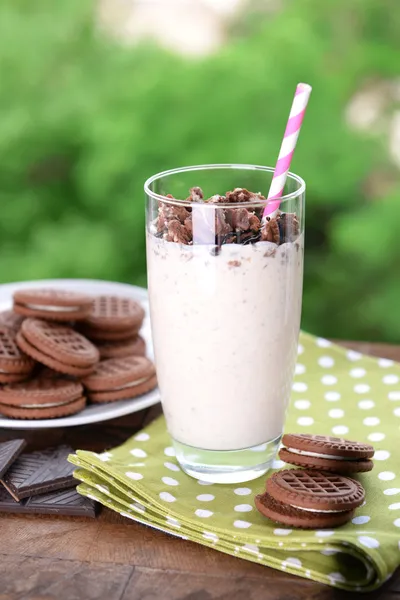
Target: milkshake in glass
x=225 y=300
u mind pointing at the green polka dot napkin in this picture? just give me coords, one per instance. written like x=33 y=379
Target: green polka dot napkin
x=336 y=392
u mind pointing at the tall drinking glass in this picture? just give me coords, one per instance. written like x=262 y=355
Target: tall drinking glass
x=225 y=304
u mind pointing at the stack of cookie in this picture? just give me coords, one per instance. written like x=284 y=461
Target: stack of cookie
x=317 y=496
x=59 y=348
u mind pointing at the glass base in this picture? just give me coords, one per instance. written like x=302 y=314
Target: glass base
x=226 y=466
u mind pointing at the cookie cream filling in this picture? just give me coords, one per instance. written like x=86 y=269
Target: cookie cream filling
x=50 y=405
x=319 y=455
x=53 y=308
x=316 y=510
x=129 y=385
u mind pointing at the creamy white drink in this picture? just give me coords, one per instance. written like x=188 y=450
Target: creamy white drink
x=225 y=330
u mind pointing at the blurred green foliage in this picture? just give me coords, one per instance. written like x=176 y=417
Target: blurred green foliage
x=84 y=121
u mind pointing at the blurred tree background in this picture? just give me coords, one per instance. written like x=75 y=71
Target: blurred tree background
x=84 y=120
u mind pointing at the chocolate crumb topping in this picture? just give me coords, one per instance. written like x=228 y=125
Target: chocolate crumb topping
x=196 y=194
x=177 y=232
x=236 y=225
x=270 y=232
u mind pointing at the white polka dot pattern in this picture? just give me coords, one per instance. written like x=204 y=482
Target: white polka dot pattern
x=243 y=508
x=167 y=497
x=244 y=491
x=360 y=520
x=169 y=481
x=138 y=452
x=171 y=466
x=362 y=388
x=204 y=514
x=299 y=386
x=381 y=455
x=366 y=404
x=326 y=362
x=357 y=373
x=142 y=437
x=336 y=413
x=332 y=396
x=390 y=379
x=133 y=475
x=302 y=404
x=340 y=430
x=241 y=524
x=376 y=437
x=329 y=380
x=368 y=542
x=305 y=421
x=386 y=476
x=323 y=343
x=205 y=497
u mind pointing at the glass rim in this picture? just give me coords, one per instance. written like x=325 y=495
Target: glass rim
x=238 y=166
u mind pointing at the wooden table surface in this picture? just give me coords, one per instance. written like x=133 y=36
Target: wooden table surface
x=112 y=558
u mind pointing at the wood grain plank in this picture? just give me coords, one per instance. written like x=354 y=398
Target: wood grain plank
x=153 y=584
x=40 y=579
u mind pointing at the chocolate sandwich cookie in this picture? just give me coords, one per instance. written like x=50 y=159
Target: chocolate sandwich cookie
x=310 y=499
x=120 y=378
x=132 y=347
x=326 y=453
x=11 y=320
x=113 y=318
x=42 y=398
x=58 y=347
x=52 y=304
x=43 y=412
x=15 y=365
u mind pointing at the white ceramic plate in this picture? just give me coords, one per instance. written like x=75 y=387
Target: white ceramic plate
x=93 y=413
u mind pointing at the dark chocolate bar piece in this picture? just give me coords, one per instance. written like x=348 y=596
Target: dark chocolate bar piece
x=9 y=452
x=40 y=472
x=62 y=502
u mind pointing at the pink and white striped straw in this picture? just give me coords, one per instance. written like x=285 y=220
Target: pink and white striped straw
x=296 y=116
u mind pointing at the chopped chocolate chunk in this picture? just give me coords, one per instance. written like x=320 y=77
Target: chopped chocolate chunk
x=177 y=233
x=188 y=224
x=221 y=226
x=216 y=199
x=196 y=194
x=240 y=219
x=161 y=222
x=254 y=223
x=169 y=212
x=270 y=232
x=243 y=195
